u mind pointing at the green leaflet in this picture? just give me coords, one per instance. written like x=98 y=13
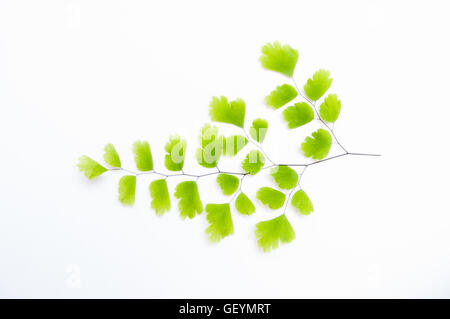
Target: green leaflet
x=284 y=176
x=330 y=108
x=210 y=155
x=222 y=111
x=190 y=203
x=316 y=86
x=253 y=162
x=270 y=232
x=231 y=145
x=271 y=197
x=89 y=167
x=244 y=205
x=299 y=114
x=258 y=130
x=211 y=147
x=318 y=145
x=143 y=156
x=208 y=134
x=127 y=189
x=220 y=222
x=160 y=196
x=279 y=58
x=281 y=96
x=110 y=156
x=228 y=183
x=175 y=153
x=302 y=202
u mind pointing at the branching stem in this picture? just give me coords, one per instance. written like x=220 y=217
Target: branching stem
x=313 y=104
x=258 y=146
x=153 y=172
x=286 y=203
x=272 y=163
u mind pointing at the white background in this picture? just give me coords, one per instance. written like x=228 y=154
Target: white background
x=75 y=75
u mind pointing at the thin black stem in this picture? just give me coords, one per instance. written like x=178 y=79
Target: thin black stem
x=241 y=181
x=258 y=146
x=293 y=189
x=238 y=173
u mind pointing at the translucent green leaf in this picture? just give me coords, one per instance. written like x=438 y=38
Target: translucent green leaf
x=175 y=153
x=220 y=222
x=89 y=167
x=330 y=108
x=271 y=197
x=210 y=155
x=208 y=134
x=211 y=147
x=316 y=86
x=228 y=183
x=253 y=162
x=299 y=114
x=284 y=176
x=160 y=196
x=281 y=96
x=233 y=144
x=270 y=232
x=279 y=58
x=127 y=189
x=190 y=203
x=318 y=145
x=258 y=130
x=244 y=205
x=143 y=156
x=302 y=202
x=110 y=156
x=222 y=111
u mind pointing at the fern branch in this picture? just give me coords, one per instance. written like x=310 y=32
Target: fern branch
x=313 y=104
x=242 y=174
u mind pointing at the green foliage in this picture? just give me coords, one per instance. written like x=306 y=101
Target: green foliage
x=220 y=222
x=222 y=111
x=284 y=176
x=253 y=162
x=228 y=183
x=279 y=58
x=208 y=134
x=209 y=156
x=299 y=114
x=143 y=156
x=110 y=156
x=318 y=145
x=231 y=145
x=127 y=189
x=175 y=153
x=244 y=205
x=330 y=108
x=302 y=202
x=282 y=95
x=258 y=130
x=89 y=167
x=316 y=86
x=190 y=203
x=270 y=232
x=211 y=147
x=160 y=196
x=271 y=197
